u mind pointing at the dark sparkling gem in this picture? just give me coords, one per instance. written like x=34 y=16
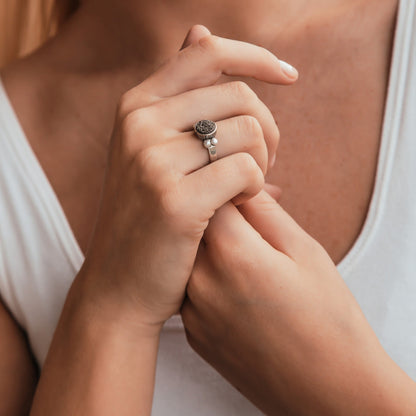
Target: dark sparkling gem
x=205 y=126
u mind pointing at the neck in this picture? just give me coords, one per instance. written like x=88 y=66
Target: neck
x=108 y=46
x=137 y=36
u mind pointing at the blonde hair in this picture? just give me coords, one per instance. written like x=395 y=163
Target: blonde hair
x=26 y=24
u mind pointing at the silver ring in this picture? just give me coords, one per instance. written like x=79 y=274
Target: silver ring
x=206 y=130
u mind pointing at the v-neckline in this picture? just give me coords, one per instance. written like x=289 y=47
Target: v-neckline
x=389 y=137
x=387 y=144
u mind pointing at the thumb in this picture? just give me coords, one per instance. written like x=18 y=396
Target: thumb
x=195 y=33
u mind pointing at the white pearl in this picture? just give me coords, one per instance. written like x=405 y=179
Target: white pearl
x=214 y=141
x=207 y=143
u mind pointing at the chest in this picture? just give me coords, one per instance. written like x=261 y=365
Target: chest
x=331 y=126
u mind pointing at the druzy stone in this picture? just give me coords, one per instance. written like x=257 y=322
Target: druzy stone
x=205 y=127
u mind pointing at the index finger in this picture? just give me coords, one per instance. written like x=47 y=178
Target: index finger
x=202 y=63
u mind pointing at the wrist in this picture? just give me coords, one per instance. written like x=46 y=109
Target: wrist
x=98 y=307
x=97 y=362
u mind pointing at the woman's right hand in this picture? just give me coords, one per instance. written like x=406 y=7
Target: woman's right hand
x=160 y=191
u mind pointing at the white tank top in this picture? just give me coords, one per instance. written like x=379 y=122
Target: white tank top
x=39 y=255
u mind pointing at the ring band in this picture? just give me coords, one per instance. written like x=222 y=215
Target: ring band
x=206 y=130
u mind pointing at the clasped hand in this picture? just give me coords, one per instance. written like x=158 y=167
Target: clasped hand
x=267 y=308
x=160 y=191
x=265 y=304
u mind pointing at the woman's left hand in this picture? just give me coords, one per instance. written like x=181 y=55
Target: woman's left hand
x=268 y=309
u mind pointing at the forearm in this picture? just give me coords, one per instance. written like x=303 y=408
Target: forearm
x=304 y=346
x=98 y=364
x=393 y=391
x=372 y=385
x=365 y=382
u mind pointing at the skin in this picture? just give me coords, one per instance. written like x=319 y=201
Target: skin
x=83 y=87
x=93 y=73
x=127 y=289
x=280 y=324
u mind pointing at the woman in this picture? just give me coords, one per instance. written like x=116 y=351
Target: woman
x=308 y=352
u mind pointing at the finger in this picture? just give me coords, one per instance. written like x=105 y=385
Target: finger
x=236 y=177
x=219 y=102
x=201 y=64
x=276 y=226
x=273 y=190
x=195 y=33
x=229 y=227
x=186 y=153
x=135 y=98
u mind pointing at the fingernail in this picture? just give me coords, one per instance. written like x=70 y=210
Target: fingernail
x=273 y=161
x=288 y=70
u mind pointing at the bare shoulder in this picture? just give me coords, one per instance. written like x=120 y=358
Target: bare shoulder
x=18 y=372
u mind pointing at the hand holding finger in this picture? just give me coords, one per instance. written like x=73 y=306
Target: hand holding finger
x=155 y=204
x=269 y=315
x=195 y=33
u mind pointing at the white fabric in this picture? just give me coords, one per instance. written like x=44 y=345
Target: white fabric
x=39 y=255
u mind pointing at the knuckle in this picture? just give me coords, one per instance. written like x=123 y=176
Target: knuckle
x=171 y=206
x=152 y=171
x=249 y=126
x=124 y=106
x=163 y=189
x=134 y=126
x=160 y=186
x=210 y=44
x=254 y=176
x=146 y=159
x=252 y=139
x=134 y=100
x=243 y=92
x=247 y=166
x=126 y=125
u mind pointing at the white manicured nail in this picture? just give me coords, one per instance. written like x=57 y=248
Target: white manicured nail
x=288 y=69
